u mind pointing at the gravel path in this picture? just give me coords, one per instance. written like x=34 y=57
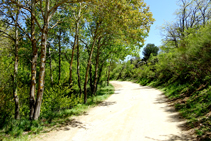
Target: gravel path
x=132 y=113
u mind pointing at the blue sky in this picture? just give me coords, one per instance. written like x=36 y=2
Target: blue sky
x=163 y=11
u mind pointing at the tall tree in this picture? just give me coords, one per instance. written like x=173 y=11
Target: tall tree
x=47 y=10
x=191 y=13
x=10 y=16
x=77 y=26
x=33 y=60
x=15 y=81
x=150 y=49
x=117 y=23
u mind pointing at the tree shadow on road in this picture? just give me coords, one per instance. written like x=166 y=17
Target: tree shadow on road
x=73 y=123
x=174 y=138
x=66 y=125
x=144 y=87
x=175 y=116
x=106 y=103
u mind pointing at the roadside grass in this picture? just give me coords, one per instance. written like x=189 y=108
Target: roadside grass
x=21 y=130
x=192 y=101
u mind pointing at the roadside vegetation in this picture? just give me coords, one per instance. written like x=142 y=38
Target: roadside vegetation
x=22 y=129
x=182 y=69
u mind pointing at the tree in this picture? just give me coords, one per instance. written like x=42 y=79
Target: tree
x=11 y=19
x=128 y=22
x=100 y=31
x=191 y=13
x=47 y=10
x=148 y=50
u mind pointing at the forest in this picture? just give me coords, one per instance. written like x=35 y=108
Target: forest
x=181 y=67
x=57 y=57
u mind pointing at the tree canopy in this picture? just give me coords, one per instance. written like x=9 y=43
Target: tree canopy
x=150 y=49
x=64 y=47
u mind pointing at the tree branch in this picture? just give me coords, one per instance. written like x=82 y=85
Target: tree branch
x=7 y=35
x=19 y=5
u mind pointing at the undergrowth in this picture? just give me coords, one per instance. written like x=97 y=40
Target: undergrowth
x=21 y=129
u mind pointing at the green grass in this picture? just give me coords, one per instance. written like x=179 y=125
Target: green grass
x=21 y=129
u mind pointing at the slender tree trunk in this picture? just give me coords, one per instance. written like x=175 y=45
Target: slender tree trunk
x=109 y=69
x=34 y=62
x=73 y=49
x=59 y=55
x=15 y=79
x=100 y=71
x=74 y=44
x=78 y=66
x=100 y=74
x=87 y=69
x=91 y=78
x=78 y=53
x=71 y=61
x=50 y=63
x=42 y=64
x=183 y=22
x=204 y=18
x=96 y=68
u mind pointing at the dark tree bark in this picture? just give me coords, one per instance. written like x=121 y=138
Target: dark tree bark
x=87 y=69
x=90 y=78
x=96 y=67
x=89 y=63
x=109 y=69
x=78 y=67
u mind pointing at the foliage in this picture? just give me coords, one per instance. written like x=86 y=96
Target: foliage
x=50 y=50
x=150 y=49
x=15 y=128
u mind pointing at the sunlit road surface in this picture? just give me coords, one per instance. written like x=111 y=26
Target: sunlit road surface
x=132 y=113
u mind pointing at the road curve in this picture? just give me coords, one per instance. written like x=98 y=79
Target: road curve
x=132 y=113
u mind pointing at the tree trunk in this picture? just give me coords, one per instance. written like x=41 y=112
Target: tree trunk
x=59 y=55
x=71 y=61
x=78 y=54
x=34 y=62
x=96 y=67
x=100 y=74
x=109 y=69
x=74 y=44
x=87 y=69
x=78 y=66
x=91 y=78
x=42 y=64
x=15 y=79
x=50 y=63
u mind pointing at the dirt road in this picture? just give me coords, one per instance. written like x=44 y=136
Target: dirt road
x=132 y=113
